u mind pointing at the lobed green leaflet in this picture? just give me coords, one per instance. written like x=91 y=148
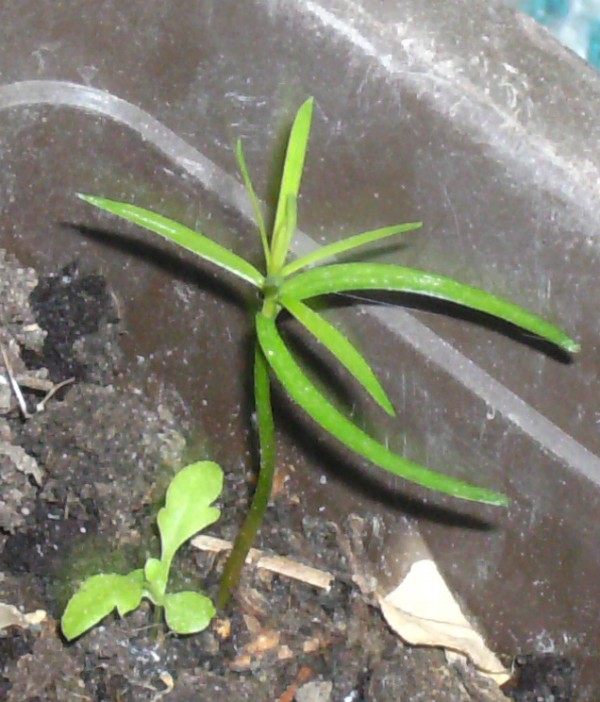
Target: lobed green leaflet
x=188 y=510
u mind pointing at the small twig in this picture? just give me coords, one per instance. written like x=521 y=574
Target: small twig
x=41 y=405
x=33 y=383
x=304 y=675
x=166 y=679
x=14 y=385
x=275 y=564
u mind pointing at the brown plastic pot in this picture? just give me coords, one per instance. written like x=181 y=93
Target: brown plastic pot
x=461 y=114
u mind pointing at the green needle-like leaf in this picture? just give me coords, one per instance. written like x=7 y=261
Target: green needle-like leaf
x=188 y=612
x=349 y=244
x=290 y=183
x=343 y=277
x=291 y=216
x=303 y=391
x=187 y=509
x=97 y=598
x=341 y=348
x=181 y=235
x=260 y=220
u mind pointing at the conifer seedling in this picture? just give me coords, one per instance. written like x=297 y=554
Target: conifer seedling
x=285 y=286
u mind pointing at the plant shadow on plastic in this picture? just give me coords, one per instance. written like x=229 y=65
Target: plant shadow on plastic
x=286 y=286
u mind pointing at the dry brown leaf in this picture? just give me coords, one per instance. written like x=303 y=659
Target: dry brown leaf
x=423 y=612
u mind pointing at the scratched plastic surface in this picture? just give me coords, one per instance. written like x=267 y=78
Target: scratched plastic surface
x=423 y=111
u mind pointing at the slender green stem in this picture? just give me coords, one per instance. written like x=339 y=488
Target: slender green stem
x=157 y=619
x=157 y=614
x=266 y=440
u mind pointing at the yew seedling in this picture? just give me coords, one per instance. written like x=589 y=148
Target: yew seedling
x=187 y=511
x=285 y=286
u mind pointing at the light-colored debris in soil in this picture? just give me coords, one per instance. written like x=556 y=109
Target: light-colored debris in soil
x=18 y=331
x=314 y=691
x=17 y=320
x=31 y=380
x=18 y=328
x=275 y=564
x=263 y=641
x=11 y=616
x=18 y=494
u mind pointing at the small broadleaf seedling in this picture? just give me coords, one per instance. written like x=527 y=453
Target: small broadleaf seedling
x=284 y=286
x=187 y=511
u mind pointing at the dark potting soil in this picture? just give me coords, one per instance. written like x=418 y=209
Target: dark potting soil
x=81 y=484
